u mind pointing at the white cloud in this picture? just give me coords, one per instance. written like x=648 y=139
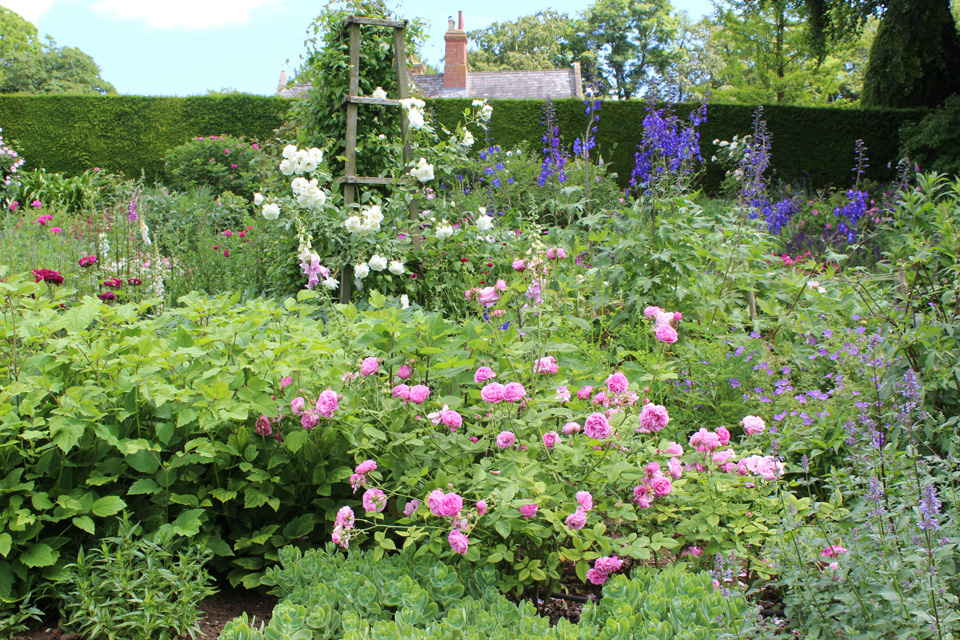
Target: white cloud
x=182 y=14
x=29 y=9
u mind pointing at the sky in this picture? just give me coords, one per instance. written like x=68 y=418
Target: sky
x=188 y=47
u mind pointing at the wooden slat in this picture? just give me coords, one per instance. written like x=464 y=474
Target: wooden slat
x=350 y=180
x=378 y=22
x=399 y=53
x=366 y=100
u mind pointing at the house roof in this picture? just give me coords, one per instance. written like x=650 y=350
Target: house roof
x=495 y=85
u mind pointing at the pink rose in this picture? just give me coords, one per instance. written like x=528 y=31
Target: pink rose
x=661 y=486
x=506 y=439
x=263 y=427
x=345 y=518
x=481 y=507
x=285 y=382
x=297 y=406
x=651 y=312
x=458 y=541
x=585 y=500
x=724 y=434
x=482 y=374
x=529 y=510
x=401 y=391
x=833 y=550
x=770 y=468
x=450 y=505
x=513 y=392
x=563 y=394
x=487 y=296
x=834 y=566
x=492 y=392
x=704 y=440
x=374 y=500
x=617 y=383
x=418 y=393
x=753 y=425
x=309 y=420
x=652 y=469
x=653 y=418
x=722 y=457
x=664 y=317
x=597 y=577
x=571 y=427
x=327 y=403
x=666 y=334
x=452 y=419
x=547 y=364
x=673 y=449
x=585 y=392
x=576 y=520
x=608 y=564
x=501 y=285
x=677 y=317
x=365 y=467
x=405 y=372
x=519 y=265
x=600 y=398
x=369 y=366
x=550 y=438
x=597 y=426
x=411 y=508
x=674 y=468
x=434 y=500
x=695 y=551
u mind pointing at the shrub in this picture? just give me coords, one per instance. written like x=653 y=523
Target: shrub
x=135 y=588
x=222 y=163
x=934 y=142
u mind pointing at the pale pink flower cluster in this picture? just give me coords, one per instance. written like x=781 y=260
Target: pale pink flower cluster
x=655 y=484
x=447 y=416
x=417 y=394
x=495 y=392
x=571 y=427
x=374 y=500
x=506 y=439
x=342 y=527
x=578 y=519
x=597 y=426
x=411 y=507
x=707 y=441
x=359 y=476
x=487 y=296
x=556 y=253
x=664 y=323
x=753 y=425
x=450 y=505
x=833 y=551
x=766 y=467
x=563 y=394
x=602 y=568
x=327 y=403
x=546 y=364
x=653 y=418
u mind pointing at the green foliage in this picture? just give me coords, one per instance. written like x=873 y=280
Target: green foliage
x=128 y=134
x=73 y=194
x=16 y=36
x=53 y=70
x=915 y=58
x=538 y=41
x=934 y=142
x=325 y=596
x=134 y=587
x=220 y=163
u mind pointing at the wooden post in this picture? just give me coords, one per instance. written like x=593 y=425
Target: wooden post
x=349 y=188
x=399 y=52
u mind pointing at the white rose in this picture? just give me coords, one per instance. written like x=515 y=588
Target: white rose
x=312 y=197
x=484 y=223
x=271 y=211
x=486 y=112
x=404 y=301
x=396 y=267
x=413 y=103
x=361 y=270
x=468 y=139
x=299 y=184
x=415 y=118
x=377 y=262
x=379 y=94
x=331 y=283
x=374 y=214
x=443 y=232
x=369 y=227
x=353 y=224
x=290 y=151
x=288 y=166
x=423 y=171
x=257 y=199
x=479 y=103
x=307 y=164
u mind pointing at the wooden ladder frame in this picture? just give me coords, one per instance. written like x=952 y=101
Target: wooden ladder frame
x=352 y=100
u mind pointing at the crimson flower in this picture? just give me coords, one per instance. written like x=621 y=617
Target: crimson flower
x=48 y=275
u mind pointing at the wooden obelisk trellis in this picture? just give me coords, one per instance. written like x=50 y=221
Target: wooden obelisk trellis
x=352 y=101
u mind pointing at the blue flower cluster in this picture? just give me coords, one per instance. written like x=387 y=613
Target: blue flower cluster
x=669 y=148
x=554 y=158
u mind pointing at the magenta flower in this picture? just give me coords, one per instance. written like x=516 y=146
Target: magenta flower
x=674 y=468
x=576 y=520
x=529 y=510
x=418 y=394
x=263 y=427
x=666 y=334
x=286 y=382
x=653 y=418
x=547 y=364
x=550 y=439
x=492 y=392
x=411 y=508
x=56 y=231
x=309 y=420
x=513 y=392
x=327 y=403
x=405 y=372
x=519 y=265
x=370 y=366
x=724 y=434
x=571 y=427
x=297 y=406
x=673 y=449
x=661 y=486
x=597 y=577
x=832 y=551
x=585 y=392
x=608 y=564
x=563 y=394
x=452 y=419
x=458 y=541
x=374 y=500
x=87 y=261
x=36 y=204
x=483 y=374
x=401 y=391
x=597 y=426
x=481 y=507
x=506 y=439
x=617 y=383
x=365 y=467
x=450 y=505
x=434 y=500
x=651 y=312
x=704 y=440
x=585 y=500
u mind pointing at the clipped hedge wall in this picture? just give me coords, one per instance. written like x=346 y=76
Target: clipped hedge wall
x=812 y=145
x=127 y=134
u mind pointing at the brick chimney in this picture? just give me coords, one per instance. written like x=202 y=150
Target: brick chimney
x=455 y=60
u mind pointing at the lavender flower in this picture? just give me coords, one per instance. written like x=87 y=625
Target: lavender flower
x=929 y=508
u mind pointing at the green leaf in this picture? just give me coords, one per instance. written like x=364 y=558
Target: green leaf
x=85 y=523
x=39 y=555
x=107 y=506
x=143 y=486
x=144 y=461
x=188 y=523
x=299 y=527
x=6 y=541
x=295 y=440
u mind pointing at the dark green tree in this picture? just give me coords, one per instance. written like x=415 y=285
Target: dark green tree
x=538 y=41
x=915 y=58
x=53 y=70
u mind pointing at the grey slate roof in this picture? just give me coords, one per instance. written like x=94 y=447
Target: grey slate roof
x=496 y=85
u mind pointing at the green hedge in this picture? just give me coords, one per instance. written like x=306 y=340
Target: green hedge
x=812 y=145
x=128 y=134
